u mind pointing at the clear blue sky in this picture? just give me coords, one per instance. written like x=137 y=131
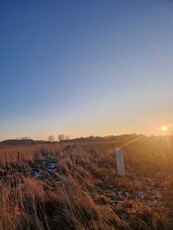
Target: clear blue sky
x=85 y=67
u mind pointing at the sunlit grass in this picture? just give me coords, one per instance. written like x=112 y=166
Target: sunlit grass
x=85 y=192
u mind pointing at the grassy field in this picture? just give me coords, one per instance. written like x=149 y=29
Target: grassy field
x=76 y=186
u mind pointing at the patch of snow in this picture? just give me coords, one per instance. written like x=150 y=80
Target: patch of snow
x=156 y=193
x=120 y=194
x=52 y=167
x=140 y=194
x=127 y=194
x=37 y=174
x=137 y=181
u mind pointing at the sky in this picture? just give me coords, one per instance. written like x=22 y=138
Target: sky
x=85 y=67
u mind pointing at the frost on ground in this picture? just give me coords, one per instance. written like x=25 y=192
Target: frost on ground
x=79 y=184
x=146 y=190
x=44 y=167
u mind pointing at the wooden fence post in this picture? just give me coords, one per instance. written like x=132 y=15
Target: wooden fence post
x=18 y=156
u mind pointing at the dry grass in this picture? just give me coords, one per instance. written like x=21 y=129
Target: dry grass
x=75 y=186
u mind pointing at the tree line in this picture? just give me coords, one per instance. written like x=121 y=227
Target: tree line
x=61 y=137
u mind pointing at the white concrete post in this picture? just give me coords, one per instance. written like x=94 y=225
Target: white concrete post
x=120 y=161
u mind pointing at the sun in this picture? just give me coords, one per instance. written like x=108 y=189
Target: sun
x=164 y=128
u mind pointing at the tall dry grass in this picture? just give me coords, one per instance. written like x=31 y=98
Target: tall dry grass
x=85 y=192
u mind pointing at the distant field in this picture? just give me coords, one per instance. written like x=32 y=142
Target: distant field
x=76 y=186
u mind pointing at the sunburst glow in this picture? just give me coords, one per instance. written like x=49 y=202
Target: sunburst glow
x=164 y=128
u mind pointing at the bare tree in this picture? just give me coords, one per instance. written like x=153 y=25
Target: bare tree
x=67 y=137
x=51 y=138
x=61 y=137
